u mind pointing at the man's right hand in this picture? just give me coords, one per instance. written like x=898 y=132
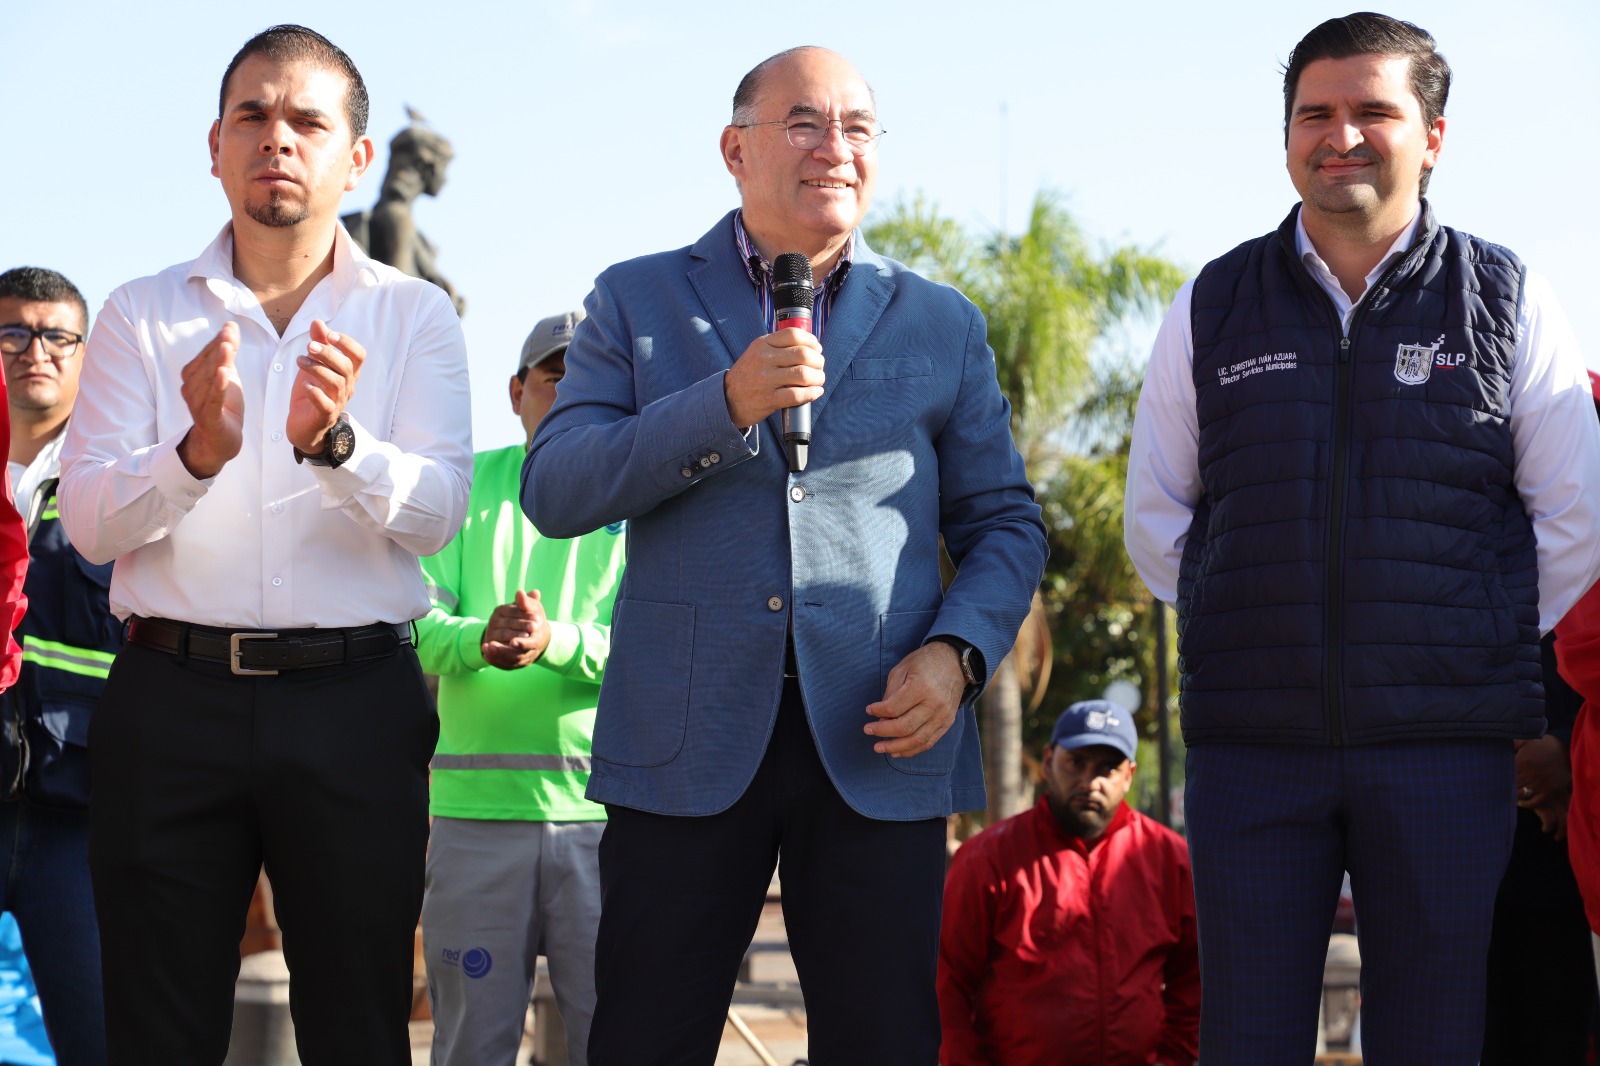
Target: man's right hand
x=777 y=371
x=215 y=396
x=517 y=632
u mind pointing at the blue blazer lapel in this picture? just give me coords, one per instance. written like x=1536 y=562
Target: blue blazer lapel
x=851 y=319
x=724 y=288
x=723 y=285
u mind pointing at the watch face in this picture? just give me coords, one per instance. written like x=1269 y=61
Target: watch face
x=341 y=442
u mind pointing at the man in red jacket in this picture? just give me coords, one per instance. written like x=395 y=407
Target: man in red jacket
x=1069 y=931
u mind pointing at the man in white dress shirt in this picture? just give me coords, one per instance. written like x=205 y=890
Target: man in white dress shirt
x=1366 y=468
x=266 y=440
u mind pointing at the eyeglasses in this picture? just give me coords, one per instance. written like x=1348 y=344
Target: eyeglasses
x=807 y=131
x=58 y=344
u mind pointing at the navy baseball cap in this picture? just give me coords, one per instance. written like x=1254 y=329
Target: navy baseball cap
x=1092 y=722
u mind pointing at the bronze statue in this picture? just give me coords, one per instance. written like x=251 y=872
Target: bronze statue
x=418 y=158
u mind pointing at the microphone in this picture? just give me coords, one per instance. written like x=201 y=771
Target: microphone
x=792 y=301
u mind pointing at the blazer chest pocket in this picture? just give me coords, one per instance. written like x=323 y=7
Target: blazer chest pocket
x=900 y=366
x=644 y=700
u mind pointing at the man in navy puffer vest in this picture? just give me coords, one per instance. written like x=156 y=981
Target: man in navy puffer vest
x=1366 y=469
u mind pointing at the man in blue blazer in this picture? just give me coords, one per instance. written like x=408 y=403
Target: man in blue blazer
x=788 y=684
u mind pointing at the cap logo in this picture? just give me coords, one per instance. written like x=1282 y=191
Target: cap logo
x=1096 y=720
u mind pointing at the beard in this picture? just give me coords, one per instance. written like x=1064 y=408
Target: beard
x=278 y=212
x=1085 y=822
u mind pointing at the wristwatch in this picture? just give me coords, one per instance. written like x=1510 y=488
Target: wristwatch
x=971 y=659
x=337 y=446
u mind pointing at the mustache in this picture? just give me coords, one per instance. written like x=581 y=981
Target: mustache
x=1360 y=153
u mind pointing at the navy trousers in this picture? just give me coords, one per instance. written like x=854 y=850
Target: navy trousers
x=1424 y=829
x=680 y=899
x=44 y=882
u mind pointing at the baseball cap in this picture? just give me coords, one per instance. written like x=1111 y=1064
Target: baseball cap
x=550 y=336
x=1092 y=722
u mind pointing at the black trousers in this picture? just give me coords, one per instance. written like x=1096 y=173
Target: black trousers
x=1541 y=1001
x=200 y=778
x=681 y=898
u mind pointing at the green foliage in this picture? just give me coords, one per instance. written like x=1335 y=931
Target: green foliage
x=1053 y=303
x=1048 y=298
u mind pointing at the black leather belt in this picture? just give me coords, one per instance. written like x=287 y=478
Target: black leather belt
x=266 y=652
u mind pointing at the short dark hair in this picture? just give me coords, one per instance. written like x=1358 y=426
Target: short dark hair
x=744 y=97
x=41 y=286
x=289 y=43
x=1369 y=33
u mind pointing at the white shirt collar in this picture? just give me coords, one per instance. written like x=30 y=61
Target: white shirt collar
x=214 y=267
x=1324 y=276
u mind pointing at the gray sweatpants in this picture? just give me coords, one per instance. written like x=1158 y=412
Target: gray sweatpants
x=499 y=894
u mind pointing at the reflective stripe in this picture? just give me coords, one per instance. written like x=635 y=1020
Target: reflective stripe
x=510 y=762
x=49 y=654
x=443 y=597
x=50 y=512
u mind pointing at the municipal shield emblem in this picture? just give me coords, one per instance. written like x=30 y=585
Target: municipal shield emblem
x=1414 y=362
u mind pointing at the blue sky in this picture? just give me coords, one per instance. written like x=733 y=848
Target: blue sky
x=586 y=132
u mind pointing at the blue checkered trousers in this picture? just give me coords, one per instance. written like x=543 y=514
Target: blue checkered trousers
x=1424 y=829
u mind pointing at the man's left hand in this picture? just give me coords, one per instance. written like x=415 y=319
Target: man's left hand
x=322 y=388
x=1544 y=782
x=920 y=702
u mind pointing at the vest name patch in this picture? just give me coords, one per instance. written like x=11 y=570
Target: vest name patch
x=1258 y=364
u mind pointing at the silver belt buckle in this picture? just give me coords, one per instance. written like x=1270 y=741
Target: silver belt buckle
x=233 y=652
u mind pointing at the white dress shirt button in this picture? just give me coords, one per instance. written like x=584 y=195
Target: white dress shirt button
x=277 y=581
x=797 y=493
x=277 y=434
x=277 y=367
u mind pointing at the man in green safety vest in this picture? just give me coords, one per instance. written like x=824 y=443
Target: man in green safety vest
x=68 y=638
x=519 y=634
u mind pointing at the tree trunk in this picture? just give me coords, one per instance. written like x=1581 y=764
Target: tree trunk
x=1002 y=742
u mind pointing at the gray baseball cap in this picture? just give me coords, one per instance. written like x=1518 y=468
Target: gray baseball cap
x=550 y=336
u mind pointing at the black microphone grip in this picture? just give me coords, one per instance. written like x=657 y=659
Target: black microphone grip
x=792 y=302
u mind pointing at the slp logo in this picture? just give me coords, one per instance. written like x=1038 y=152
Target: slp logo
x=1098 y=720
x=1414 y=362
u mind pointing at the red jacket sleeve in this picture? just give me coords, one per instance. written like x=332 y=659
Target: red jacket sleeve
x=13 y=566
x=1578 y=659
x=964 y=938
x=1180 y=1037
x=1578 y=646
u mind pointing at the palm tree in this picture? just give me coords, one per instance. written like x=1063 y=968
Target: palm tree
x=1050 y=299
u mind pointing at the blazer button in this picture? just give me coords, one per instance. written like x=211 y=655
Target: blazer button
x=797 y=493
x=715 y=457
x=687 y=472
x=705 y=462
x=775 y=603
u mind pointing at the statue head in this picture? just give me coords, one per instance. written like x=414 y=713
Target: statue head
x=422 y=151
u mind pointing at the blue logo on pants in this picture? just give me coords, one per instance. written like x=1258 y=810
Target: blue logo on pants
x=476 y=963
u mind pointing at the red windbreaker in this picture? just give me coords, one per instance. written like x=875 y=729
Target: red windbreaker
x=13 y=565
x=1054 y=954
x=1578 y=657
